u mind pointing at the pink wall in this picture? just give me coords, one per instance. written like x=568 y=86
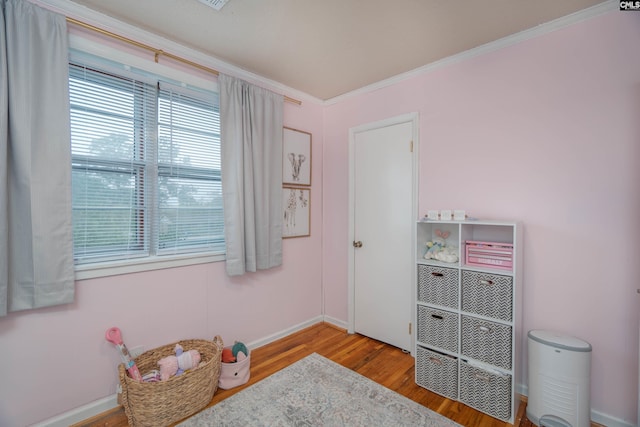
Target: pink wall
x=546 y=131
x=56 y=359
x=549 y=125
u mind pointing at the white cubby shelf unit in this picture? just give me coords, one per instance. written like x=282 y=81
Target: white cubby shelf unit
x=468 y=344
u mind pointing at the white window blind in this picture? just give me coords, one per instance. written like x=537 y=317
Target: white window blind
x=146 y=168
x=189 y=189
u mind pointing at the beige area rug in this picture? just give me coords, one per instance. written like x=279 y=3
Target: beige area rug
x=317 y=392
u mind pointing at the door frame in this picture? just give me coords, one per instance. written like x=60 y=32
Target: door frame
x=405 y=118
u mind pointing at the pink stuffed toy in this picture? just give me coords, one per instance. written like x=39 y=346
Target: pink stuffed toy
x=175 y=365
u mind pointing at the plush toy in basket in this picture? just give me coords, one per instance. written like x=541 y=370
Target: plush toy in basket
x=166 y=402
x=176 y=365
x=235 y=369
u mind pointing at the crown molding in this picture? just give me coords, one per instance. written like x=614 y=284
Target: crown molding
x=108 y=23
x=542 y=29
x=90 y=16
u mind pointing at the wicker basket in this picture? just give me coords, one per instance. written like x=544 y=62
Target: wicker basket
x=165 y=402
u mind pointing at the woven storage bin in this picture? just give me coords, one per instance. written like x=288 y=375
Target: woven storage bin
x=165 y=402
x=487 y=391
x=438 y=285
x=437 y=372
x=487 y=341
x=489 y=295
x=438 y=328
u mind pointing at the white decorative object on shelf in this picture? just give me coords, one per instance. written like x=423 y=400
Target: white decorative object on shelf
x=445 y=215
x=433 y=215
x=459 y=215
x=468 y=316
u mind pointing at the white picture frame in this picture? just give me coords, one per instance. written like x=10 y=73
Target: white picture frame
x=296 y=157
x=296 y=208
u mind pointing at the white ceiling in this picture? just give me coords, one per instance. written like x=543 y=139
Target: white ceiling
x=331 y=47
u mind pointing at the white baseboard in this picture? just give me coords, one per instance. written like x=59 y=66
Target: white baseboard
x=596 y=416
x=522 y=389
x=608 y=420
x=336 y=322
x=110 y=402
x=81 y=413
x=285 y=332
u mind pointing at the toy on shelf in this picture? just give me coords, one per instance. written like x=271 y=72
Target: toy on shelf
x=439 y=250
x=176 y=365
x=114 y=336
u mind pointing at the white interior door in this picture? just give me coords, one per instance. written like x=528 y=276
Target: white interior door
x=383 y=207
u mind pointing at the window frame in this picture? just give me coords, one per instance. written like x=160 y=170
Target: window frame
x=102 y=56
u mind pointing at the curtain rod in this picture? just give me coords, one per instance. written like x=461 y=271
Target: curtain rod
x=157 y=52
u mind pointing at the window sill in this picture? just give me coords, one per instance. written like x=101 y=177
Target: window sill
x=105 y=269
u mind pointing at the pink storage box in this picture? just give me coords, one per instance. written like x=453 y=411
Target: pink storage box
x=489 y=254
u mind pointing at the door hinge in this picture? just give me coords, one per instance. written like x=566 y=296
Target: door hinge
x=411 y=148
x=409 y=328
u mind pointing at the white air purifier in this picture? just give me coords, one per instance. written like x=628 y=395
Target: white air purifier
x=559 y=380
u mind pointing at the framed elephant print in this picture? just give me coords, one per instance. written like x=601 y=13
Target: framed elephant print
x=296 y=206
x=296 y=157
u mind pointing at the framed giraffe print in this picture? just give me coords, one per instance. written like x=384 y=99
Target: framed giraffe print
x=296 y=208
x=296 y=157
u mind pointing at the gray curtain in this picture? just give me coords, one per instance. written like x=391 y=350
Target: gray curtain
x=36 y=246
x=251 y=121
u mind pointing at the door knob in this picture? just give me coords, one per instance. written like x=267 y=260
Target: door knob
x=357 y=244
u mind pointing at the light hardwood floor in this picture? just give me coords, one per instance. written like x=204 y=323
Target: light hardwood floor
x=385 y=364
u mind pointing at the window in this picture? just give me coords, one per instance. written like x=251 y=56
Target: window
x=146 y=168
